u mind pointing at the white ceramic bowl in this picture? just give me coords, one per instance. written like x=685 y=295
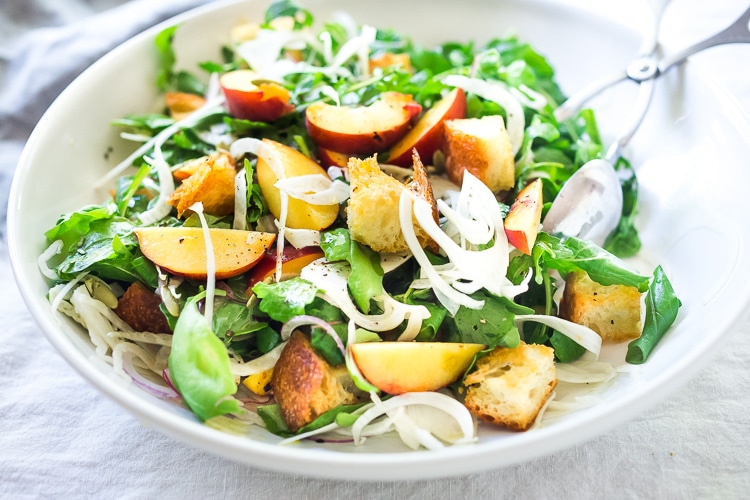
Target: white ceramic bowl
x=690 y=156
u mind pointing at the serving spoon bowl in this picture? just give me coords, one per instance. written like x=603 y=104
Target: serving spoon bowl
x=589 y=205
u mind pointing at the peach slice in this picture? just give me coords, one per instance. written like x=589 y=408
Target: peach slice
x=264 y=102
x=523 y=219
x=292 y=262
x=300 y=214
x=328 y=158
x=399 y=367
x=427 y=135
x=182 y=104
x=388 y=59
x=362 y=130
x=182 y=250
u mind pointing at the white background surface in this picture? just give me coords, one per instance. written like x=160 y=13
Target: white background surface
x=60 y=438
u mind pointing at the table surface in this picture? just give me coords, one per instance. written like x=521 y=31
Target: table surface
x=60 y=437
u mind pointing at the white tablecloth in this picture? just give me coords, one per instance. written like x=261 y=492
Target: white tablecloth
x=60 y=438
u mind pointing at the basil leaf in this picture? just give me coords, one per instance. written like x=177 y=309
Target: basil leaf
x=493 y=325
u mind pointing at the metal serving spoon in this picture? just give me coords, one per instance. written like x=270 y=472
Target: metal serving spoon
x=589 y=205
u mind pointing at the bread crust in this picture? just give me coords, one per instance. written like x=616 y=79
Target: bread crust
x=305 y=386
x=613 y=311
x=509 y=386
x=139 y=308
x=373 y=209
x=212 y=184
x=481 y=146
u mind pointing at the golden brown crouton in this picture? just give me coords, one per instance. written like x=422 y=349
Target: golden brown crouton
x=182 y=104
x=372 y=213
x=510 y=386
x=614 y=311
x=212 y=184
x=388 y=59
x=139 y=308
x=306 y=386
x=481 y=146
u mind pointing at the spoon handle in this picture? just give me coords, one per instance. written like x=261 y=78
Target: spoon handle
x=737 y=32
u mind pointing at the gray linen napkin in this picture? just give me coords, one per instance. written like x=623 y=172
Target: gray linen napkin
x=70 y=35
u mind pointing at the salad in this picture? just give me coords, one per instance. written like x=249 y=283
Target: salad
x=334 y=233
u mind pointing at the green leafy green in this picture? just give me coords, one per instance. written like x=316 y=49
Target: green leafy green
x=199 y=365
x=366 y=278
x=662 y=306
x=286 y=299
x=572 y=254
x=492 y=325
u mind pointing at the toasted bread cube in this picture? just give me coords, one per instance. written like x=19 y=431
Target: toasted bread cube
x=510 y=386
x=212 y=184
x=306 y=386
x=139 y=308
x=613 y=311
x=372 y=213
x=481 y=146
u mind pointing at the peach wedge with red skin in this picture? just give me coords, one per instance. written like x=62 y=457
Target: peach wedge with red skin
x=427 y=135
x=264 y=102
x=292 y=262
x=523 y=219
x=401 y=367
x=362 y=130
x=182 y=250
x=328 y=158
x=300 y=214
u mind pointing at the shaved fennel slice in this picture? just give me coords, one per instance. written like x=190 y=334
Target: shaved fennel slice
x=54 y=249
x=267 y=153
x=257 y=365
x=431 y=418
x=240 y=201
x=581 y=335
x=304 y=320
x=331 y=277
x=208 y=310
x=448 y=296
x=166 y=187
x=262 y=52
x=315 y=189
x=476 y=268
x=585 y=372
x=123 y=356
x=163 y=339
x=97 y=324
x=498 y=93
x=300 y=238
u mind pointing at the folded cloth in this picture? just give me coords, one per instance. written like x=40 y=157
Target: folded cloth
x=46 y=60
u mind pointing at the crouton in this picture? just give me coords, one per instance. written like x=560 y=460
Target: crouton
x=372 y=212
x=139 y=308
x=614 y=311
x=182 y=104
x=481 y=146
x=306 y=386
x=212 y=183
x=510 y=386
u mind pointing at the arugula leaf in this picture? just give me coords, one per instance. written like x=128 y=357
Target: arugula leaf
x=256 y=204
x=366 y=278
x=97 y=240
x=199 y=365
x=662 y=306
x=492 y=325
x=573 y=254
x=286 y=299
x=167 y=57
x=274 y=422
